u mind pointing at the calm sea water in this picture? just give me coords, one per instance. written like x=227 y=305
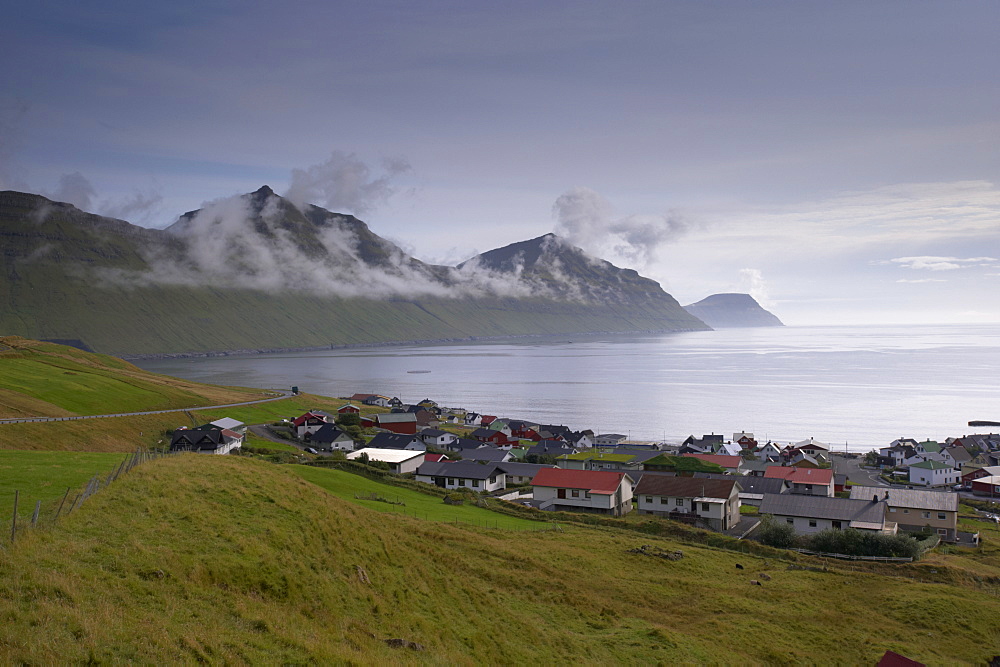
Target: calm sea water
x=851 y=387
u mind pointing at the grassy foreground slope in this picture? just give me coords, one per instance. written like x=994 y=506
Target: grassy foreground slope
x=229 y=559
x=48 y=380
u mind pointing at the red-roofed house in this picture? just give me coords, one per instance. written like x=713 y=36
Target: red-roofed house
x=732 y=464
x=344 y=409
x=808 y=481
x=435 y=458
x=310 y=422
x=596 y=491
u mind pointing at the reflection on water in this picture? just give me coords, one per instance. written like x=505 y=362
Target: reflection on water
x=858 y=385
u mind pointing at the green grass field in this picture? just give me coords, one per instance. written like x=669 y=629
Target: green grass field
x=227 y=559
x=45 y=476
x=347 y=485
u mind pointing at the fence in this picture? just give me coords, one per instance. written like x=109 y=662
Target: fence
x=64 y=506
x=885 y=559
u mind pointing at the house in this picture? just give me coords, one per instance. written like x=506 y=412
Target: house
x=987 y=486
x=597 y=491
x=348 y=409
x=609 y=439
x=814 y=448
x=768 y=452
x=754 y=488
x=396 y=422
x=915 y=509
x=591 y=460
x=372 y=399
x=553 y=448
x=234 y=425
x=462 y=475
x=310 y=422
x=520 y=473
x=715 y=502
x=732 y=464
x=988 y=471
x=802 y=460
x=487 y=453
x=434 y=437
x=330 y=437
x=704 y=445
x=472 y=418
x=435 y=458
x=804 y=481
x=400 y=461
x=897 y=455
x=205 y=440
x=639 y=444
x=811 y=514
x=745 y=440
x=553 y=431
x=488 y=435
x=386 y=440
x=934 y=473
x=580 y=439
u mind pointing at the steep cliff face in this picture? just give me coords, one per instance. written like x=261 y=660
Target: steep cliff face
x=256 y=272
x=732 y=310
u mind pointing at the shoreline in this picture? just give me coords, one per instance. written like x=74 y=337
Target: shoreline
x=393 y=343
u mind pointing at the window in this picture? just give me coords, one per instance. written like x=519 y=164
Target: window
x=679 y=501
x=663 y=500
x=649 y=499
x=704 y=507
x=837 y=525
x=906 y=511
x=812 y=523
x=892 y=509
x=927 y=515
x=575 y=493
x=461 y=482
x=451 y=481
x=586 y=494
x=941 y=515
x=475 y=482
x=789 y=521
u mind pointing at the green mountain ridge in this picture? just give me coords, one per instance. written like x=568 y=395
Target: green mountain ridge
x=255 y=272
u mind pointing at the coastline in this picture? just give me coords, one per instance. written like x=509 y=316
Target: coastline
x=393 y=343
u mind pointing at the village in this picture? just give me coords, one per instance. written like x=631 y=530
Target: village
x=721 y=484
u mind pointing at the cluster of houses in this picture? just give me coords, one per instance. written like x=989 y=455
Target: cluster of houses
x=971 y=462
x=703 y=480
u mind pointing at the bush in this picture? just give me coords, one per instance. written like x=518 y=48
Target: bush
x=854 y=542
x=775 y=533
x=348 y=419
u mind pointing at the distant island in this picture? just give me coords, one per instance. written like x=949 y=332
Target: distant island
x=721 y=311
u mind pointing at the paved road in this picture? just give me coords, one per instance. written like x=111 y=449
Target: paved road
x=25 y=420
x=851 y=467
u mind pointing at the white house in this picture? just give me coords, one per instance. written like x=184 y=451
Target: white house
x=597 y=491
x=462 y=474
x=934 y=473
x=811 y=514
x=715 y=502
x=400 y=460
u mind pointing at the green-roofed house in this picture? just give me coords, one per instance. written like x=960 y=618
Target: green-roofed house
x=934 y=473
x=591 y=460
x=928 y=447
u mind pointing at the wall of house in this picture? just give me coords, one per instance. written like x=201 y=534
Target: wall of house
x=941 y=477
x=913 y=519
x=408 y=466
x=813 y=489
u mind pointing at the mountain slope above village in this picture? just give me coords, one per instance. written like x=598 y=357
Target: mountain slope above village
x=256 y=272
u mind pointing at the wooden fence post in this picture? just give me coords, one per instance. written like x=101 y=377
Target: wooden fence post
x=58 y=511
x=34 y=517
x=13 y=523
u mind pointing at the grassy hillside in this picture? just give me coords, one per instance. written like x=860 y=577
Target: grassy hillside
x=48 y=380
x=226 y=559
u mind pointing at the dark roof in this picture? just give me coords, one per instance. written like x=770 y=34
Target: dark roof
x=463 y=469
x=484 y=433
x=197 y=438
x=433 y=432
x=551 y=448
x=941 y=501
x=462 y=444
x=328 y=433
x=753 y=484
x=686 y=487
x=823 y=507
x=485 y=454
x=521 y=469
x=392 y=441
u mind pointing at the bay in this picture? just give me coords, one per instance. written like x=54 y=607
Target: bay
x=852 y=387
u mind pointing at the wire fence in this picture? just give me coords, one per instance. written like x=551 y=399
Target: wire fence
x=47 y=513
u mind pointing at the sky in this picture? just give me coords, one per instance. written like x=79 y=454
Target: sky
x=840 y=161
